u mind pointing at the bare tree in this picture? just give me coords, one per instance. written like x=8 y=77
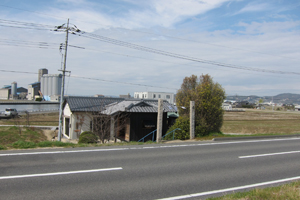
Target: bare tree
x=106 y=126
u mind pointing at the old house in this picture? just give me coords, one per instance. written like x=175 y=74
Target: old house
x=125 y=119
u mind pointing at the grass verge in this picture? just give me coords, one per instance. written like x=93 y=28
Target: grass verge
x=25 y=138
x=289 y=191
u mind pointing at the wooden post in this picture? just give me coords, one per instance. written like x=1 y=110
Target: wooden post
x=159 y=120
x=192 y=120
x=112 y=128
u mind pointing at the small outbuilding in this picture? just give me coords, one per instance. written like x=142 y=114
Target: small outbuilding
x=116 y=118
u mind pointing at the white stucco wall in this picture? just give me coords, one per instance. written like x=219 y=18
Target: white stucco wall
x=79 y=122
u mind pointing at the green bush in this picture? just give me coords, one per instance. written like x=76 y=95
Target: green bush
x=2 y=147
x=23 y=145
x=88 y=137
x=39 y=99
x=183 y=123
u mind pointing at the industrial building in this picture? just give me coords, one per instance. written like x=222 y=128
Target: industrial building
x=13 y=92
x=33 y=90
x=170 y=97
x=51 y=86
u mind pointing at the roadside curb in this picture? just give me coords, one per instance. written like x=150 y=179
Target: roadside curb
x=254 y=137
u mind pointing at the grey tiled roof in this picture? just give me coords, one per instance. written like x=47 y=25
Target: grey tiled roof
x=166 y=105
x=139 y=106
x=113 y=105
x=89 y=104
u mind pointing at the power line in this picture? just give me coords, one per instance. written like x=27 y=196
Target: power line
x=127 y=83
x=179 y=56
x=151 y=50
x=151 y=33
x=96 y=79
x=23 y=72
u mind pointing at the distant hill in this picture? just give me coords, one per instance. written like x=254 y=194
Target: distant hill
x=285 y=98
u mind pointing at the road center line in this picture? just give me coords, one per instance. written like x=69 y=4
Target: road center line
x=60 y=173
x=148 y=147
x=231 y=189
x=269 y=154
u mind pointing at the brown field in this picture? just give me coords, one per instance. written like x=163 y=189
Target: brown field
x=261 y=122
x=45 y=119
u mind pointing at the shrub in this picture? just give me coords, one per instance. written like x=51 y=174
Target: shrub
x=39 y=99
x=183 y=123
x=88 y=137
x=2 y=147
x=208 y=97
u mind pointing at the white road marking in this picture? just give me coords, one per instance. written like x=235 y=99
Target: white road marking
x=151 y=147
x=269 y=154
x=231 y=189
x=60 y=173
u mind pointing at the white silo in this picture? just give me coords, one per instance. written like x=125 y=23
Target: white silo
x=51 y=84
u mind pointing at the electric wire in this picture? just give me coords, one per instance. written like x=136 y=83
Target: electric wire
x=151 y=33
x=151 y=50
x=165 y=53
x=96 y=79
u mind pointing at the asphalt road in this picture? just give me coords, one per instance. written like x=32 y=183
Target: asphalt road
x=174 y=171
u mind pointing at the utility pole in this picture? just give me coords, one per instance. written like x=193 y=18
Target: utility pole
x=63 y=85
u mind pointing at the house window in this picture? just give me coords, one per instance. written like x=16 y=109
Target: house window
x=137 y=96
x=159 y=96
x=143 y=96
x=91 y=125
x=154 y=96
x=168 y=96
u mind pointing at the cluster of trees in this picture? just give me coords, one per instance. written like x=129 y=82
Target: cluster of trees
x=208 y=96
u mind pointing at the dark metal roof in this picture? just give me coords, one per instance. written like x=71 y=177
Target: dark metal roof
x=89 y=104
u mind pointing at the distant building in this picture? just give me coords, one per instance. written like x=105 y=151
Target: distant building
x=12 y=91
x=41 y=72
x=126 y=96
x=4 y=93
x=170 y=97
x=33 y=90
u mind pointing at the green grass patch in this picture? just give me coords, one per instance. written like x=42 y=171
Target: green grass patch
x=23 y=145
x=289 y=191
x=10 y=135
x=55 y=144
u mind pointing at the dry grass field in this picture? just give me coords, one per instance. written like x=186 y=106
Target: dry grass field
x=45 y=119
x=249 y=122
x=261 y=122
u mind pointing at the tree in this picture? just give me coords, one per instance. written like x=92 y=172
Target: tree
x=208 y=97
x=102 y=124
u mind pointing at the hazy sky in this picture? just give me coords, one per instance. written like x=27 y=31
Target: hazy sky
x=244 y=39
